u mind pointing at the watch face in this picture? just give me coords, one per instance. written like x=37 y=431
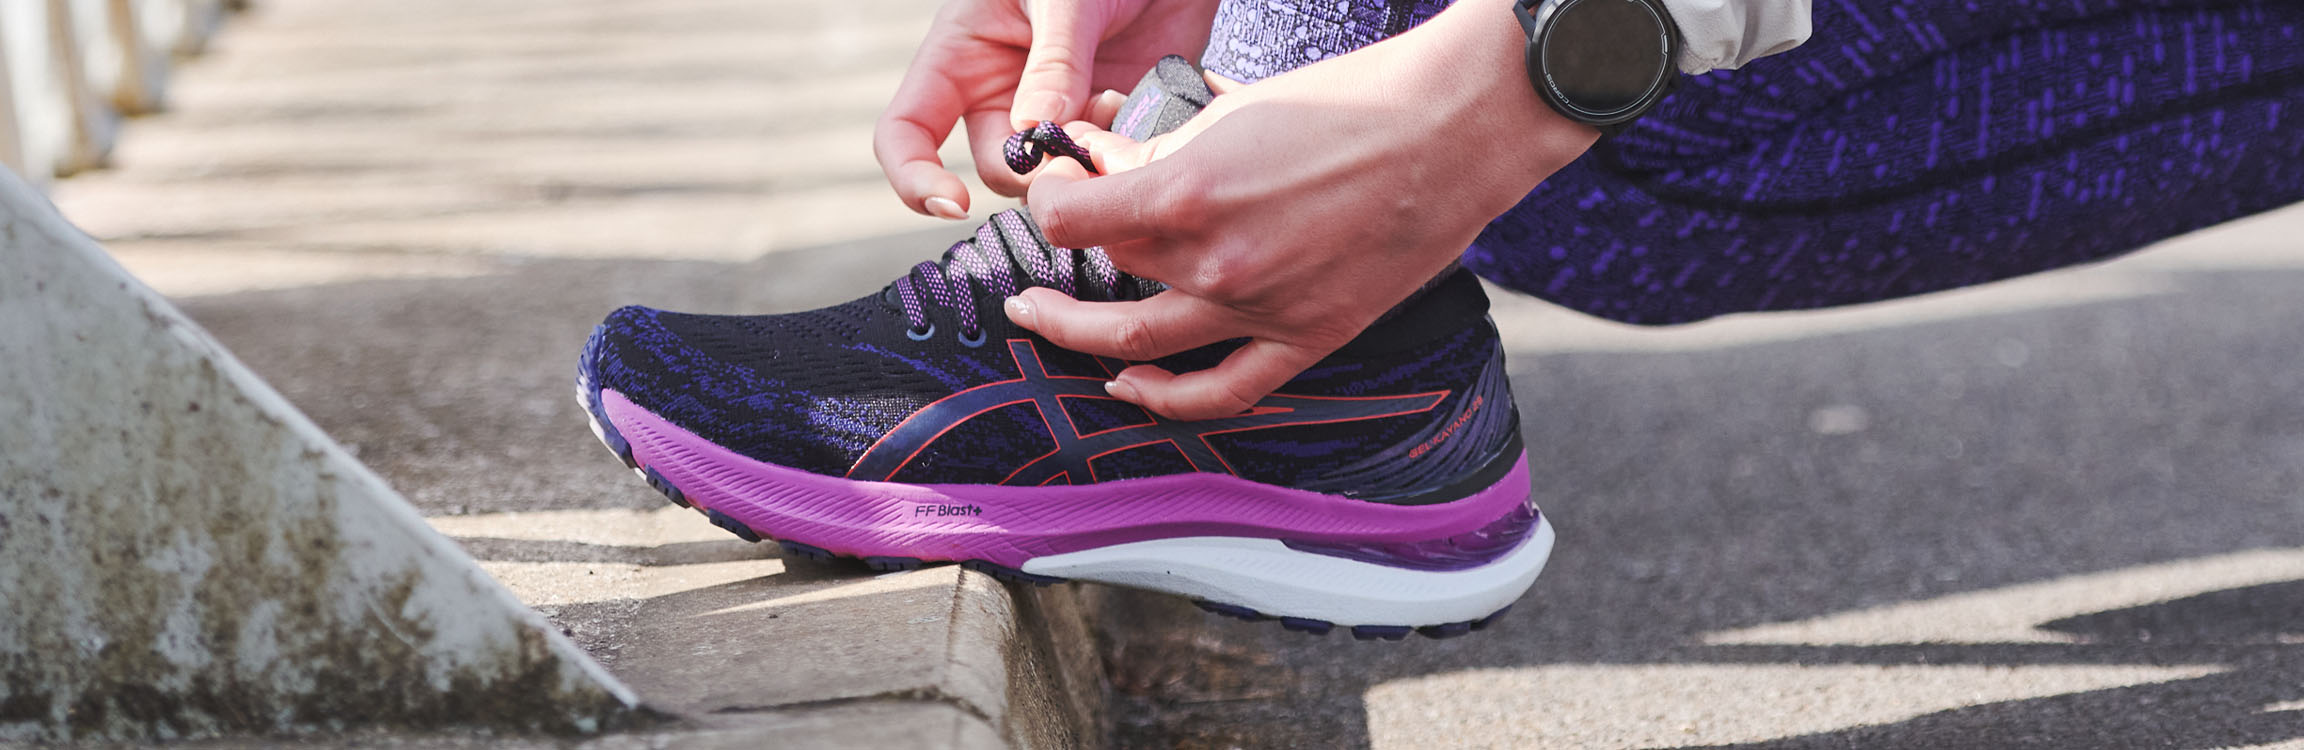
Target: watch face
x=1604 y=56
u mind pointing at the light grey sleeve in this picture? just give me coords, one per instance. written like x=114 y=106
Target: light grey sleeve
x=1730 y=33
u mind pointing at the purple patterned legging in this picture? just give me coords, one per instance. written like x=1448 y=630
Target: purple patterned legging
x=1910 y=146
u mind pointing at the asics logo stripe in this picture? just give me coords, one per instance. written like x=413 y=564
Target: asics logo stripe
x=1071 y=460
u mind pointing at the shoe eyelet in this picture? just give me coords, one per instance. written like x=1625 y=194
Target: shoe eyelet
x=972 y=343
x=921 y=333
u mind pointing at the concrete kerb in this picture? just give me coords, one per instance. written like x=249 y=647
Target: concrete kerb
x=1049 y=670
x=732 y=644
x=183 y=554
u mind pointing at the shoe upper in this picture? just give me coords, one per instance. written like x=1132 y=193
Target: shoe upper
x=927 y=382
x=852 y=390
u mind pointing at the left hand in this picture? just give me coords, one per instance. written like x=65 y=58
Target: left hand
x=1005 y=65
x=1295 y=211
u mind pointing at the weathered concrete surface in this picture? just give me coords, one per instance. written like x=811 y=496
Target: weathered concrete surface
x=183 y=554
x=724 y=632
x=869 y=725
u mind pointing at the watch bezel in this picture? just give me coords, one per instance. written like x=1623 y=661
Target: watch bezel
x=1539 y=18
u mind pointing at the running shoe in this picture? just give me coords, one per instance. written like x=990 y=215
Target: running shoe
x=1383 y=491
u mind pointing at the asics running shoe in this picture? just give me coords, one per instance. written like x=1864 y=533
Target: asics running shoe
x=1384 y=490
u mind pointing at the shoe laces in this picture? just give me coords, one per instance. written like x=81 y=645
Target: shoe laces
x=1007 y=255
x=1026 y=148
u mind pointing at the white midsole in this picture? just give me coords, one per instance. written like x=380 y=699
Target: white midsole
x=1266 y=576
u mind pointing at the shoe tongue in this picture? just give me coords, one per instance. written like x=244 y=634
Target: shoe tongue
x=1172 y=92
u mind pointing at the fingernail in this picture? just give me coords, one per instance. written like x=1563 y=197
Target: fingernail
x=1046 y=105
x=1120 y=390
x=945 y=207
x=1019 y=311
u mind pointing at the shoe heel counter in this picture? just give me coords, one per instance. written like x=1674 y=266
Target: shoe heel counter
x=1474 y=431
x=1482 y=423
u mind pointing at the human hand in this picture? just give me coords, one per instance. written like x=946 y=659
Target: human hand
x=1295 y=211
x=1004 y=66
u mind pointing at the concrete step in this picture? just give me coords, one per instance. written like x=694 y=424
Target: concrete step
x=182 y=553
x=728 y=633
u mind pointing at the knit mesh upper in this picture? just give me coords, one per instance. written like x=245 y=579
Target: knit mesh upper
x=814 y=390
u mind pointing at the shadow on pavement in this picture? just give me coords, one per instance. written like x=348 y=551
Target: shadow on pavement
x=2270 y=613
x=1707 y=490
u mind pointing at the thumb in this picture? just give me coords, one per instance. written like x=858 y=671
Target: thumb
x=1111 y=151
x=1074 y=210
x=1054 y=85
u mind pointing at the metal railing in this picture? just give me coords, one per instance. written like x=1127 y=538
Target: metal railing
x=71 y=69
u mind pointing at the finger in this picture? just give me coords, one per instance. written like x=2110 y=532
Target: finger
x=1111 y=151
x=1156 y=259
x=1229 y=388
x=1218 y=84
x=1074 y=211
x=987 y=130
x=1105 y=108
x=907 y=154
x=905 y=140
x=1151 y=328
x=1055 y=82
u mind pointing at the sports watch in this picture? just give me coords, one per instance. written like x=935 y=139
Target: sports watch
x=1603 y=63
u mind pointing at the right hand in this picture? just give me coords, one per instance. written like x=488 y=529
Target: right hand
x=1296 y=243
x=1004 y=66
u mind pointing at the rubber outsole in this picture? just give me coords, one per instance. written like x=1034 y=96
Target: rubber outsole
x=1361 y=632
x=588 y=395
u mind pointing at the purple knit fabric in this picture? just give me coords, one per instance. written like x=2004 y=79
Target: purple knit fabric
x=1910 y=146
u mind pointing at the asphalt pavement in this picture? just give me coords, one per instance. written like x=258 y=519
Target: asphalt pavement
x=2058 y=512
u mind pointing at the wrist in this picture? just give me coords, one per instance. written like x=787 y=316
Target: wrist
x=1468 y=66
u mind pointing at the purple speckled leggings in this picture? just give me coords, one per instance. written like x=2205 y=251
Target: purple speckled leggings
x=1910 y=146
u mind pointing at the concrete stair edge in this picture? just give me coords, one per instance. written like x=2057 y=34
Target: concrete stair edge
x=183 y=553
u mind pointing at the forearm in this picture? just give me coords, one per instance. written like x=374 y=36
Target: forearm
x=1468 y=63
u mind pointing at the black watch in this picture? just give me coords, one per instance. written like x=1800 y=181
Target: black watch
x=1603 y=63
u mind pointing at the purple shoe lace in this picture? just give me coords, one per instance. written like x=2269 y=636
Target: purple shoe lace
x=1025 y=149
x=1003 y=248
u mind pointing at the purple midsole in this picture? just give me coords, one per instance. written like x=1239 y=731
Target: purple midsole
x=1010 y=525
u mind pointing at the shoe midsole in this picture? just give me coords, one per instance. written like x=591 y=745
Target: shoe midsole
x=1012 y=526
x=1269 y=577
